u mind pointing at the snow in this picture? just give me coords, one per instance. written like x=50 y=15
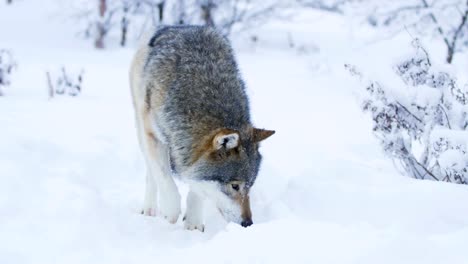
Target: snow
x=72 y=176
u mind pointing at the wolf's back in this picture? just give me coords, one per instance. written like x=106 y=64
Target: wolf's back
x=198 y=69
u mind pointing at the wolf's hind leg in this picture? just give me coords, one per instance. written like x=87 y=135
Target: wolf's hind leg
x=151 y=190
x=193 y=218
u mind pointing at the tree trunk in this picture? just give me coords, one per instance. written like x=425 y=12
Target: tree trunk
x=124 y=27
x=207 y=13
x=449 y=55
x=123 y=39
x=181 y=11
x=101 y=30
x=161 y=10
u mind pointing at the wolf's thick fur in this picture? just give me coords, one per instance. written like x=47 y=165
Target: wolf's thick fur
x=192 y=116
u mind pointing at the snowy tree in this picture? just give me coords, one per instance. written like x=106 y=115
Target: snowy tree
x=99 y=17
x=156 y=10
x=227 y=15
x=223 y=14
x=103 y=17
x=447 y=20
x=180 y=11
x=7 y=64
x=422 y=124
x=207 y=8
x=102 y=24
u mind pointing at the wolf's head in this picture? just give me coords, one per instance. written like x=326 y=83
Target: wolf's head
x=226 y=166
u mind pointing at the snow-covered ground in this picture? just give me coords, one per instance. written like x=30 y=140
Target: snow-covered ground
x=72 y=176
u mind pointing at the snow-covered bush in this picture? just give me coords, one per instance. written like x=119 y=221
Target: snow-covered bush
x=422 y=120
x=7 y=64
x=65 y=83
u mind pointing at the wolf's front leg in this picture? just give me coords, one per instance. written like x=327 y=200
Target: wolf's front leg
x=151 y=192
x=169 y=197
x=193 y=218
x=157 y=158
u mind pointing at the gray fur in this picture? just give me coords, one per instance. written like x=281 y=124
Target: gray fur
x=203 y=91
x=192 y=114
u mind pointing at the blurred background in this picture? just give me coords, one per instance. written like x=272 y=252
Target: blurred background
x=369 y=100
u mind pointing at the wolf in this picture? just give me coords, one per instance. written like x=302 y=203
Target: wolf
x=193 y=121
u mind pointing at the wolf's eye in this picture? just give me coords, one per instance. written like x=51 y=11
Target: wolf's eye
x=235 y=186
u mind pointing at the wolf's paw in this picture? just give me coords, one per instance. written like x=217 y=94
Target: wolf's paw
x=190 y=224
x=149 y=211
x=149 y=206
x=170 y=213
x=169 y=206
x=199 y=227
x=151 y=199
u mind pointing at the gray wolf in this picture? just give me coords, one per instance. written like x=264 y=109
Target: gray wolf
x=193 y=121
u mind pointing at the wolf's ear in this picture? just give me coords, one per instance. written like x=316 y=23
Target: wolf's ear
x=261 y=134
x=226 y=139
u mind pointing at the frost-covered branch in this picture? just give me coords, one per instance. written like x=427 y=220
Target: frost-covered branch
x=463 y=25
x=7 y=65
x=65 y=83
x=333 y=6
x=227 y=14
x=422 y=123
x=447 y=18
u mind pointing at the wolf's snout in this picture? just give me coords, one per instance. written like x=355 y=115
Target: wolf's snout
x=246 y=223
